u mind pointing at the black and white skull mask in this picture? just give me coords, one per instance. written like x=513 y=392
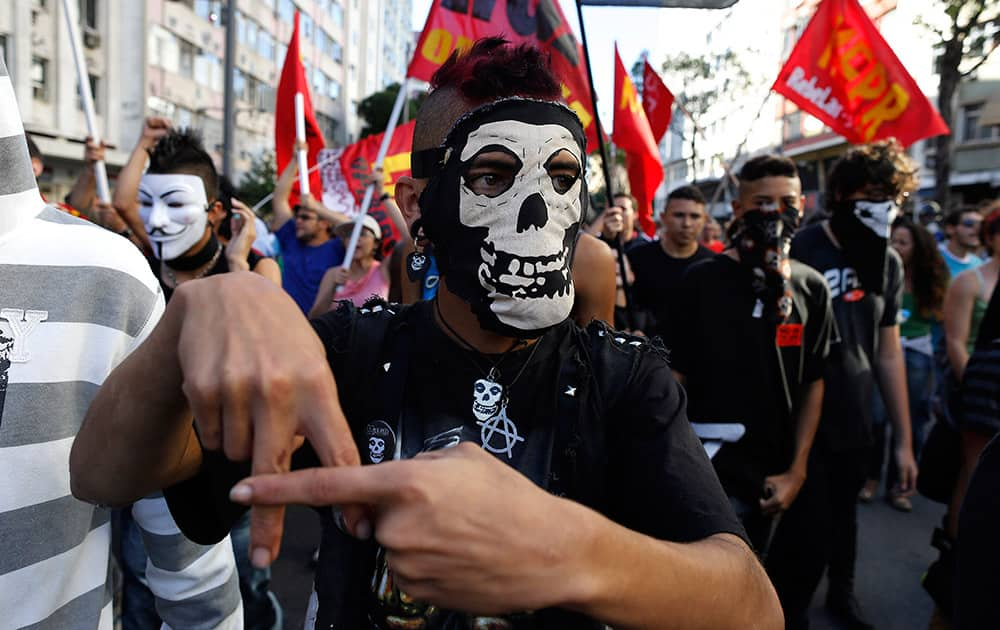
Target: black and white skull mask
x=508 y=253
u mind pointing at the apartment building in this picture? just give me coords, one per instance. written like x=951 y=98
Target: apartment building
x=167 y=58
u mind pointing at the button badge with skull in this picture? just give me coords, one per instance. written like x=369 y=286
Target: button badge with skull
x=487 y=398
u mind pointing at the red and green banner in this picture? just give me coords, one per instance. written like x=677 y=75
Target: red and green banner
x=844 y=73
x=456 y=24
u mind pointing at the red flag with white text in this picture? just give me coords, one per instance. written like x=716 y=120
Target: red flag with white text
x=633 y=135
x=292 y=81
x=657 y=101
x=456 y=25
x=844 y=73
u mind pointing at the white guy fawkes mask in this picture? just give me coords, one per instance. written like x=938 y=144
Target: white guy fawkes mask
x=174 y=210
x=877 y=216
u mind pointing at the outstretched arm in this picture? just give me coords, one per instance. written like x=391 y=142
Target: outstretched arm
x=83 y=195
x=455 y=541
x=281 y=210
x=215 y=356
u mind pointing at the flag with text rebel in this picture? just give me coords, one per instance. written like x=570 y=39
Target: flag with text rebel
x=657 y=101
x=456 y=24
x=633 y=135
x=292 y=81
x=844 y=73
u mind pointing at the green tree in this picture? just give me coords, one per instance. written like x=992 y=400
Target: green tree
x=703 y=81
x=376 y=108
x=964 y=44
x=258 y=182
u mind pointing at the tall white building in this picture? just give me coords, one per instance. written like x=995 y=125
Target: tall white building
x=166 y=57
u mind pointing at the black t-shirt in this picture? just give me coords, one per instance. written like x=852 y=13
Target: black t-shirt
x=599 y=417
x=978 y=551
x=733 y=363
x=221 y=266
x=657 y=279
x=850 y=377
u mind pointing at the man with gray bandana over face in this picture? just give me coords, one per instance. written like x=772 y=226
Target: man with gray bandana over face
x=520 y=472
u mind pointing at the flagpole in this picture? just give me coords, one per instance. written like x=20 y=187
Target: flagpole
x=269 y=196
x=300 y=136
x=366 y=203
x=605 y=166
x=87 y=99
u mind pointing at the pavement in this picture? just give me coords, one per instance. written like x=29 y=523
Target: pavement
x=893 y=552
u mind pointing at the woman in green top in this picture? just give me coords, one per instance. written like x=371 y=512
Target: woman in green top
x=926 y=280
x=967 y=298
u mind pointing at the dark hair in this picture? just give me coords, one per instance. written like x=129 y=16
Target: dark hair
x=883 y=164
x=495 y=68
x=226 y=193
x=692 y=193
x=492 y=69
x=624 y=195
x=954 y=217
x=33 y=150
x=767 y=166
x=181 y=151
x=928 y=271
x=991 y=226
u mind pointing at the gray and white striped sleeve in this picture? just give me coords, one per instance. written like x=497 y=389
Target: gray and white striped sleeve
x=195 y=586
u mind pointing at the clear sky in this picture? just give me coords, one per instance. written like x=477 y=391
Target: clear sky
x=661 y=31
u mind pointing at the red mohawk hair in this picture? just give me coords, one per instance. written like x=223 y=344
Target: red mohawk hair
x=494 y=68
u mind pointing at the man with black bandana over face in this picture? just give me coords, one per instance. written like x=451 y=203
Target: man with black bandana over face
x=756 y=326
x=866 y=282
x=550 y=478
x=751 y=347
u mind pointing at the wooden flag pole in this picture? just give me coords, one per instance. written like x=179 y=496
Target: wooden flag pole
x=86 y=96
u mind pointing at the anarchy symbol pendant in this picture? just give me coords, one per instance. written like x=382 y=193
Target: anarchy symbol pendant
x=487 y=396
x=500 y=429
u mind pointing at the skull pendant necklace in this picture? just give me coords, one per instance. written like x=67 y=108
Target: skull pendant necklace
x=490 y=397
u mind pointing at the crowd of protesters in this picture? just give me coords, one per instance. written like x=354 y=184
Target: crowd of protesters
x=816 y=358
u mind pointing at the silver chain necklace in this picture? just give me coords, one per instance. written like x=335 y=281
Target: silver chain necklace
x=201 y=274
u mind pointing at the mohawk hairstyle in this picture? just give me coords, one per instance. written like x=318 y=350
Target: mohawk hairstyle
x=884 y=165
x=494 y=68
x=182 y=151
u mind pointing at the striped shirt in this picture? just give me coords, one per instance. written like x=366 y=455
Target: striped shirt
x=74 y=301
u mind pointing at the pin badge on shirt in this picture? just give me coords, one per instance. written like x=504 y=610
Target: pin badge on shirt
x=381 y=441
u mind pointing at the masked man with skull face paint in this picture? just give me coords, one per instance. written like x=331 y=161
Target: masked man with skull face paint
x=751 y=344
x=865 y=277
x=520 y=472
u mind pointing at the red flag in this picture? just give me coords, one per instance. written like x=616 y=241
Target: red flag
x=456 y=25
x=345 y=178
x=842 y=72
x=657 y=101
x=633 y=135
x=293 y=80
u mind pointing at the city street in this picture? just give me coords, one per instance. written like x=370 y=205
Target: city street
x=894 y=552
